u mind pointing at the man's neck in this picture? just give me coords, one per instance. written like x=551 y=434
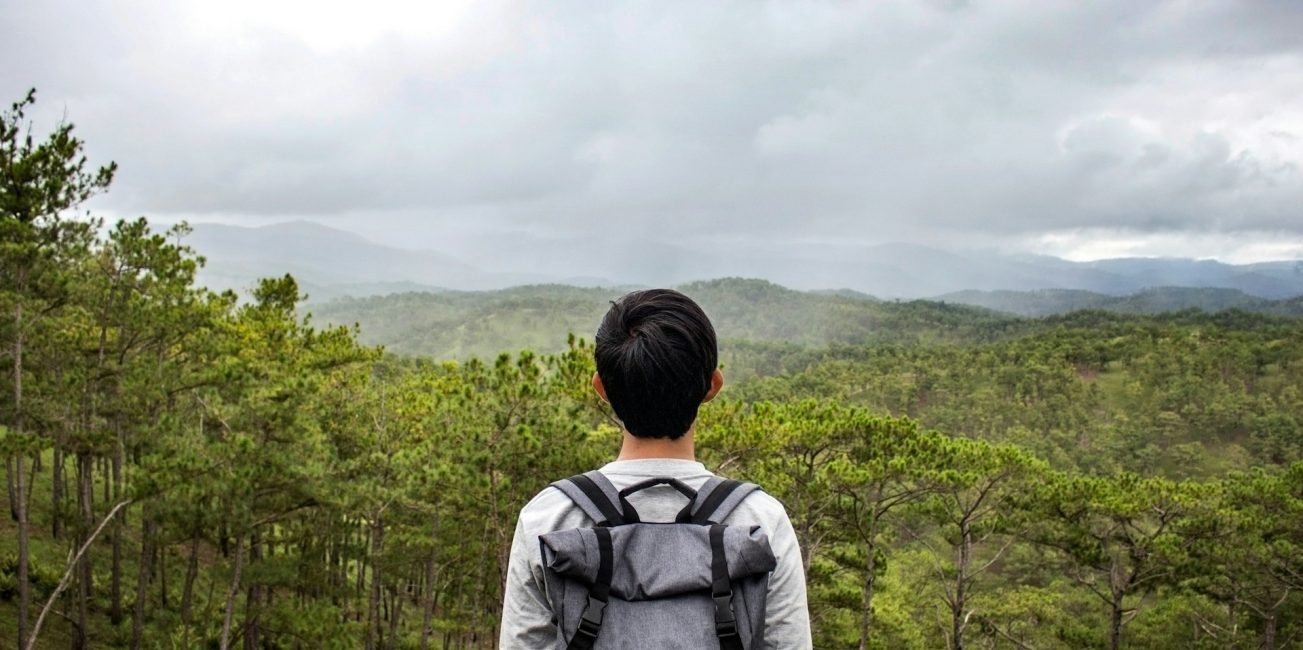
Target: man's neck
x=635 y=448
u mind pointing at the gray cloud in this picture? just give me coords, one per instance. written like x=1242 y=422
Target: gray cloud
x=941 y=121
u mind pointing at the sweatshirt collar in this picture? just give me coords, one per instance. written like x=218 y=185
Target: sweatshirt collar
x=652 y=467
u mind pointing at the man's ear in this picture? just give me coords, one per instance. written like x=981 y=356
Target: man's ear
x=716 y=383
x=601 y=390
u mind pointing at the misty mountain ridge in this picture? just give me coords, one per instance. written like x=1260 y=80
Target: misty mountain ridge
x=464 y=324
x=330 y=263
x=1046 y=302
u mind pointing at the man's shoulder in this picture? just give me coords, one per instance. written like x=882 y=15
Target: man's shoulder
x=761 y=508
x=550 y=510
x=764 y=501
x=549 y=498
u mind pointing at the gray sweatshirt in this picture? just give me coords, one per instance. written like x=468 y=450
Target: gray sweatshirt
x=526 y=616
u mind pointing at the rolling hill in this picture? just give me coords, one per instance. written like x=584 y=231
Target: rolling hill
x=462 y=324
x=1149 y=301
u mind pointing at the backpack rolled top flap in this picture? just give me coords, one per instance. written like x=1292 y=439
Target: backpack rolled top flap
x=692 y=584
x=655 y=560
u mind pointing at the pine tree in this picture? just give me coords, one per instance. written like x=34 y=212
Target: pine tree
x=40 y=184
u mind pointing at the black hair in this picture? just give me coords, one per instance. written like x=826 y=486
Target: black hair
x=656 y=353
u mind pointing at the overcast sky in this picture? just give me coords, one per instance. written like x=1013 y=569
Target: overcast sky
x=1082 y=129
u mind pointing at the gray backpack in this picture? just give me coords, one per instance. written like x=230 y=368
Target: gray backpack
x=631 y=585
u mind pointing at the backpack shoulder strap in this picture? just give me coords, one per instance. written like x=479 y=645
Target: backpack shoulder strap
x=721 y=591
x=717 y=499
x=590 y=625
x=595 y=495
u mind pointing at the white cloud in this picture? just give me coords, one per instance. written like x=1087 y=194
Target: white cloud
x=1231 y=247
x=1174 y=123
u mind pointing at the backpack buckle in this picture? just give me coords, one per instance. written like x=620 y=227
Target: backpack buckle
x=725 y=623
x=591 y=623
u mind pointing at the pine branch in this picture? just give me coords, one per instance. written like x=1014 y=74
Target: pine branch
x=67 y=576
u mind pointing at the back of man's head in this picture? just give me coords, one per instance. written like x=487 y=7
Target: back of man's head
x=656 y=354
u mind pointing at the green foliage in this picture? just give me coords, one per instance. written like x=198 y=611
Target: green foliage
x=43 y=578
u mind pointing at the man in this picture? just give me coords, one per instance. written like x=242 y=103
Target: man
x=657 y=362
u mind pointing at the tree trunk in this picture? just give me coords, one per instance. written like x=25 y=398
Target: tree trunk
x=19 y=493
x=115 y=602
x=108 y=481
x=373 y=600
x=160 y=561
x=478 y=599
x=267 y=550
x=223 y=533
x=1269 y=631
x=12 y=488
x=866 y=606
x=336 y=552
x=503 y=545
x=959 y=617
x=363 y=562
x=870 y=582
x=59 y=475
x=253 y=597
x=1115 y=623
x=232 y=593
x=427 y=616
x=85 y=497
x=24 y=594
x=395 y=613
x=115 y=580
x=56 y=491
x=147 y=528
x=192 y=571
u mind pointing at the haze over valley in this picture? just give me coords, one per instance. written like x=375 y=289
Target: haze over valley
x=331 y=262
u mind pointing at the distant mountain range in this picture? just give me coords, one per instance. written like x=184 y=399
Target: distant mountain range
x=462 y=324
x=1045 y=302
x=331 y=263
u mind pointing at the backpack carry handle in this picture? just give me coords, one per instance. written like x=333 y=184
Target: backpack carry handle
x=652 y=482
x=631 y=515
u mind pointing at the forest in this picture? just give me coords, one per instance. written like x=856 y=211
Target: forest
x=186 y=468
